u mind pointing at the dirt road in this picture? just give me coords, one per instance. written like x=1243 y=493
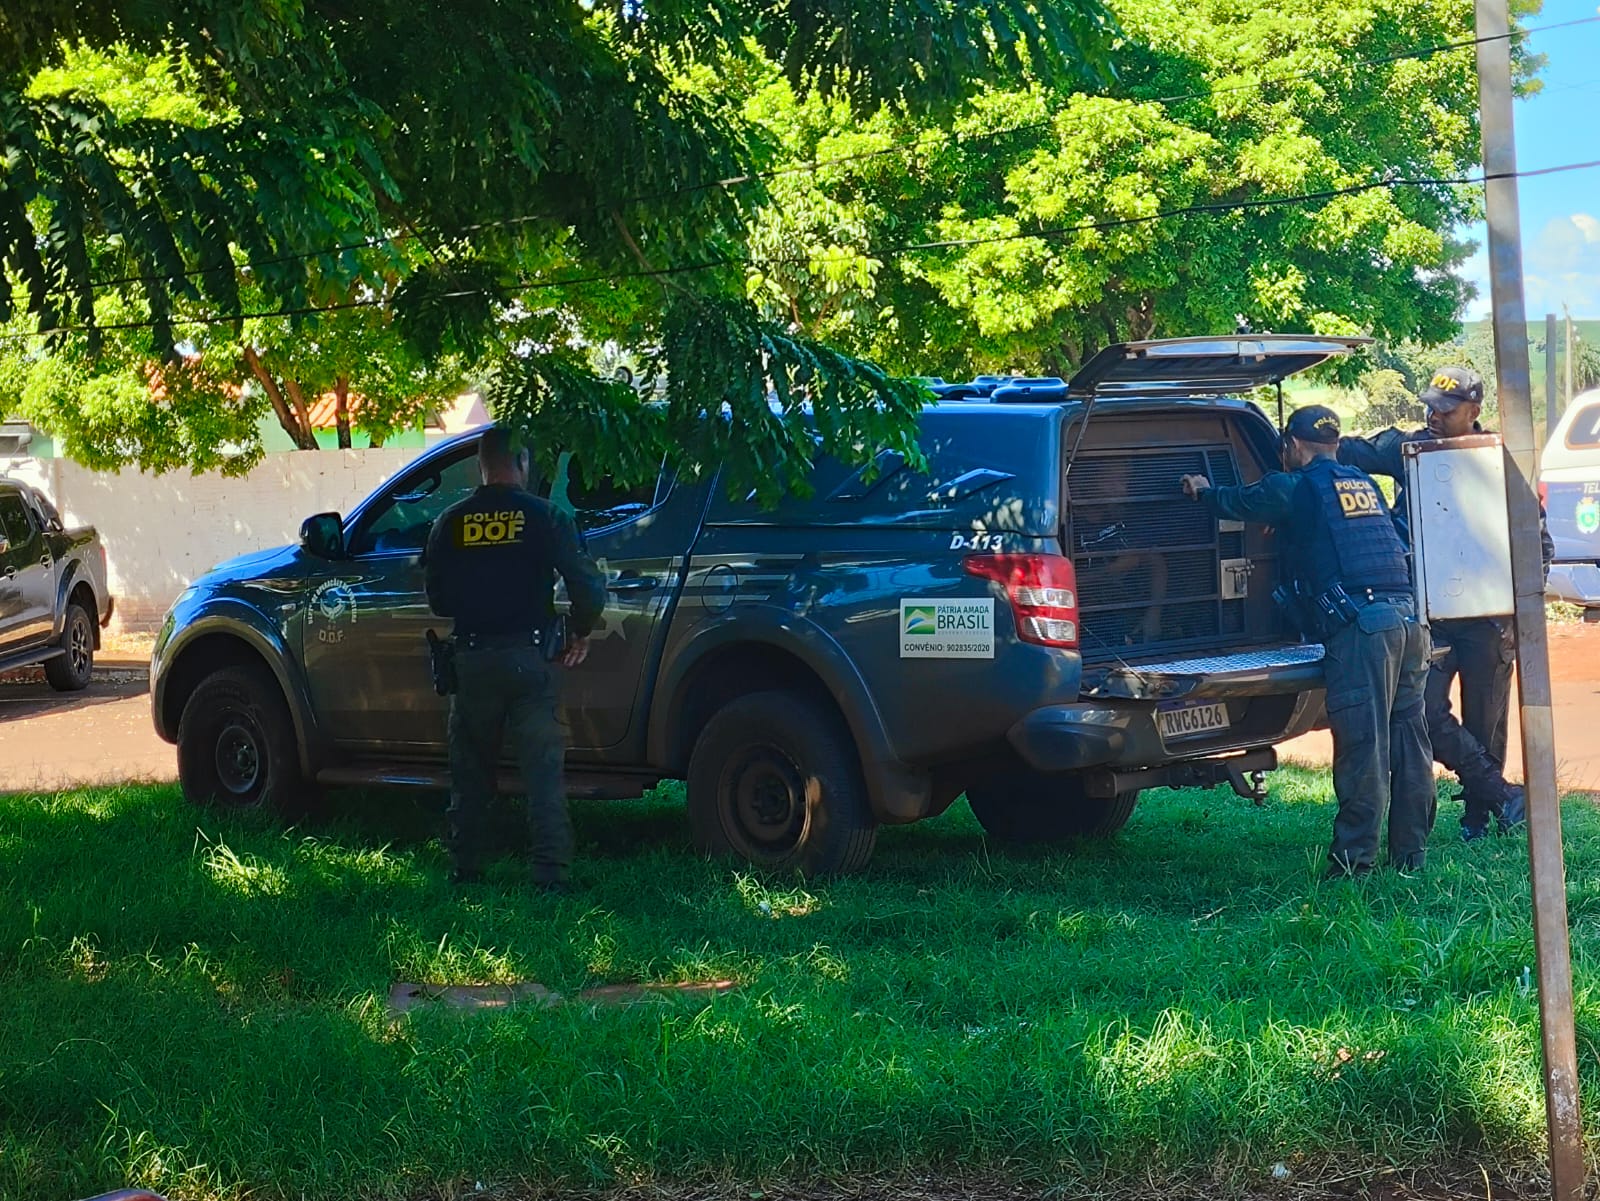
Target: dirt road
x=103 y=735
x=1575 y=696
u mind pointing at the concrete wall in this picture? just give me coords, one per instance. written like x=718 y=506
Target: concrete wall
x=160 y=532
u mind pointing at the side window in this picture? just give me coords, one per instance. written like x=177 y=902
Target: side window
x=1584 y=432
x=603 y=505
x=43 y=511
x=15 y=523
x=417 y=499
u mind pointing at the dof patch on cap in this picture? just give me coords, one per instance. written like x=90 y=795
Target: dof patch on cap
x=1452 y=387
x=1313 y=423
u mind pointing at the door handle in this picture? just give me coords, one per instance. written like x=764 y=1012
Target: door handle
x=44 y=560
x=634 y=583
x=11 y=573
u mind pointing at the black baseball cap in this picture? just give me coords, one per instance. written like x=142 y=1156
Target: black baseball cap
x=1452 y=387
x=1313 y=423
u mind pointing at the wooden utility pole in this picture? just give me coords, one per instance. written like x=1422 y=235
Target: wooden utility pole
x=1552 y=948
x=1566 y=396
x=1552 y=401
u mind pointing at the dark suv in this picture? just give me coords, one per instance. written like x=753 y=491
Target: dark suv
x=1036 y=619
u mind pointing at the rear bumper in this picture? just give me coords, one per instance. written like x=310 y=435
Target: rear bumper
x=1575 y=583
x=1074 y=737
x=111 y=608
x=1266 y=671
x=1113 y=738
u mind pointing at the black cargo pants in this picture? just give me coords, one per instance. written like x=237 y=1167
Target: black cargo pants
x=1376 y=669
x=1481 y=653
x=507 y=690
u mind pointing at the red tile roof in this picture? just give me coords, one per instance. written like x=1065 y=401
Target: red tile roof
x=323 y=411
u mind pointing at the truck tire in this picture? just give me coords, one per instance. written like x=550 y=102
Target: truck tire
x=774 y=779
x=72 y=670
x=1017 y=804
x=236 y=747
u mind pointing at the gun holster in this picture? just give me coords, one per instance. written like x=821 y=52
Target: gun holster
x=442 y=663
x=1291 y=598
x=554 y=641
x=1320 y=616
x=1336 y=610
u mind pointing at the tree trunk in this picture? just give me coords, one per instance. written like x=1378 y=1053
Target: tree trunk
x=299 y=430
x=302 y=411
x=1142 y=320
x=341 y=408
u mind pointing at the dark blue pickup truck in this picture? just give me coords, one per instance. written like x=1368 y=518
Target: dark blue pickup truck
x=1034 y=619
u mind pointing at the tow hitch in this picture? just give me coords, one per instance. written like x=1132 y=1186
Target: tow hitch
x=1246 y=774
x=1250 y=783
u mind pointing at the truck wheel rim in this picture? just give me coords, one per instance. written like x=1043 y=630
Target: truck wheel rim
x=238 y=758
x=78 y=651
x=765 y=795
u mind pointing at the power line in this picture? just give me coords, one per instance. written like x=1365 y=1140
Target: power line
x=814 y=166
x=1264 y=202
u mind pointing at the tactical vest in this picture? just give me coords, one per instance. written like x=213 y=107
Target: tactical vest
x=500 y=558
x=1344 y=534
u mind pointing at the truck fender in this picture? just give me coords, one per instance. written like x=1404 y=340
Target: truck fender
x=73 y=572
x=898 y=793
x=235 y=619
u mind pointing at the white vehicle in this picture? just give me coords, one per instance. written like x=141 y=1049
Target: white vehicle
x=1569 y=486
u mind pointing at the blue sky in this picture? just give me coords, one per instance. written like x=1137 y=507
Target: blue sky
x=1560 y=213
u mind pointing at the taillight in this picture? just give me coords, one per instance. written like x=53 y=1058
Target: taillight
x=1043 y=591
x=1544 y=493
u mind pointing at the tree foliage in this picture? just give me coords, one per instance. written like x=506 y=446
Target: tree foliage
x=559 y=143
x=1033 y=231
x=792 y=198
x=117 y=398
x=1585 y=365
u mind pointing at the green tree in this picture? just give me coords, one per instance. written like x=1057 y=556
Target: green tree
x=115 y=403
x=1585 y=365
x=1030 y=233
x=559 y=145
x=1389 y=400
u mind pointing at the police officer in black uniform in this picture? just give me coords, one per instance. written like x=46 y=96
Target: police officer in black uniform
x=1479 y=650
x=1352 y=590
x=490 y=564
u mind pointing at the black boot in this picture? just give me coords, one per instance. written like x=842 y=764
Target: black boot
x=1515 y=811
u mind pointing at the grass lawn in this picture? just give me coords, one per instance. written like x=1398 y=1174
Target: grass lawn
x=196 y=1004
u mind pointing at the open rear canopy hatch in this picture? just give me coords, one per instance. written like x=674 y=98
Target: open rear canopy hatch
x=1199 y=367
x=1205 y=366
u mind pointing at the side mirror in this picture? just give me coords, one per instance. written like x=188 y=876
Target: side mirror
x=323 y=536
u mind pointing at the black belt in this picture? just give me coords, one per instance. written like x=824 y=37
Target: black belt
x=1371 y=596
x=506 y=641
